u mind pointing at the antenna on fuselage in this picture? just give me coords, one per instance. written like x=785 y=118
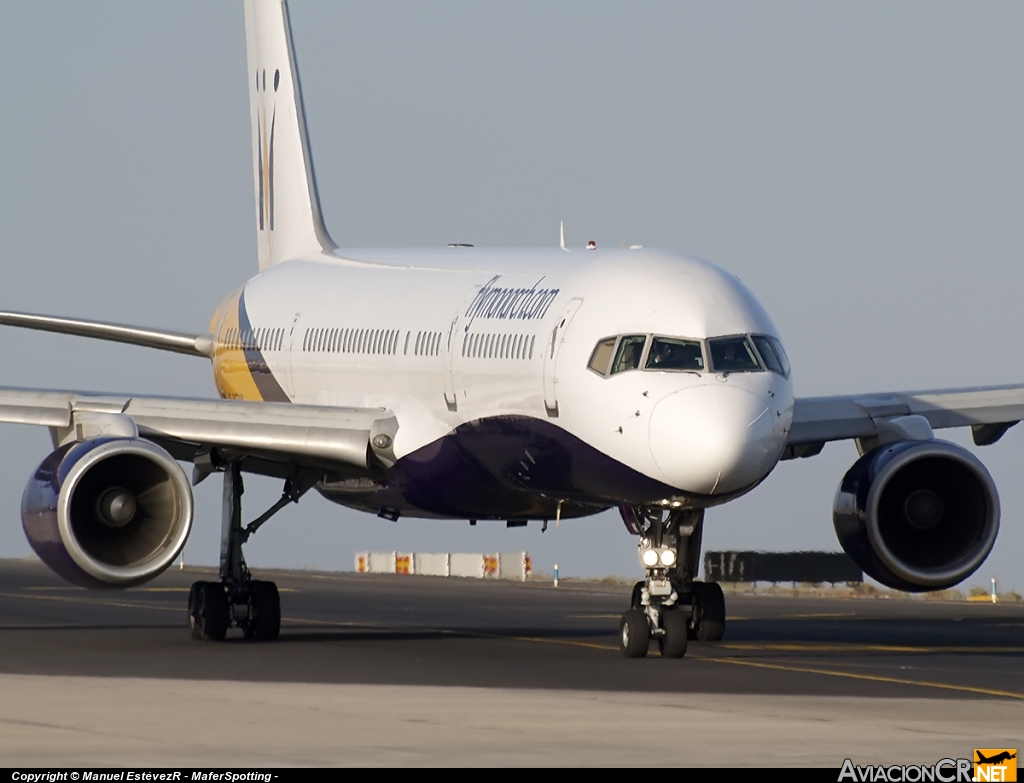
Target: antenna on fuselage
x=561 y=235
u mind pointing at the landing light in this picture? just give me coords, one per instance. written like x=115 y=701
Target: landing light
x=668 y=557
x=650 y=558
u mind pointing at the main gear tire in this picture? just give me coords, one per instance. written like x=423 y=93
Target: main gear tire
x=264 y=622
x=193 y=610
x=213 y=615
x=708 y=623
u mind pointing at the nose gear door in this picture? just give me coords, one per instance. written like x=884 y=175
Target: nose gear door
x=551 y=353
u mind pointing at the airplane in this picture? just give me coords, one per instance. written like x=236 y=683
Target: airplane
x=996 y=759
x=470 y=383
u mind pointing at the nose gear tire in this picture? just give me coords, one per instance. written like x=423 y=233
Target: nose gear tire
x=673 y=643
x=634 y=634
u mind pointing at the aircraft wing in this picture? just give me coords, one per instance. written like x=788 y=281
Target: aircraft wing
x=989 y=412
x=179 y=342
x=269 y=437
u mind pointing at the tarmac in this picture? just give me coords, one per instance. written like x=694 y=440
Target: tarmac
x=409 y=670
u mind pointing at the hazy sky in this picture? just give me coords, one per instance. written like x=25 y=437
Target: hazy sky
x=858 y=165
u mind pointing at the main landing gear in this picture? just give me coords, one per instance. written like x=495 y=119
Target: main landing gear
x=669 y=606
x=238 y=600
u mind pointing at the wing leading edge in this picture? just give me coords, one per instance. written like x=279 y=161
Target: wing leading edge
x=272 y=437
x=988 y=411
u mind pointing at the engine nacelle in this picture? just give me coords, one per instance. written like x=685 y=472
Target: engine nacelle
x=917 y=515
x=110 y=512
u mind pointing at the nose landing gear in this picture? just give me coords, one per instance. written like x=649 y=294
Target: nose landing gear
x=669 y=606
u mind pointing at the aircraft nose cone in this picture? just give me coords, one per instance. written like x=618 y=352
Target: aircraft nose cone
x=713 y=439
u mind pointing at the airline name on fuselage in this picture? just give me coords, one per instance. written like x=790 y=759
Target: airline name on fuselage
x=527 y=304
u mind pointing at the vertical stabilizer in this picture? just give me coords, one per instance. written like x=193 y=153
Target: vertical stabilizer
x=288 y=219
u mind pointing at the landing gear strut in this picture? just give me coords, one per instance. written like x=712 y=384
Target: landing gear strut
x=238 y=600
x=669 y=606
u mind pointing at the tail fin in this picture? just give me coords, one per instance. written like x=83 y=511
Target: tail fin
x=288 y=219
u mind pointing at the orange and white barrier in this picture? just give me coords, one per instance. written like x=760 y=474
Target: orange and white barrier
x=500 y=565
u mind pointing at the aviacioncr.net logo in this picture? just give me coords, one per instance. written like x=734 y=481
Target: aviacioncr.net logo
x=995 y=764
x=942 y=771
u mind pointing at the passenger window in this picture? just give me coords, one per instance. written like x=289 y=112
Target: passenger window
x=602 y=356
x=768 y=354
x=670 y=354
x=733 y=354
x=631 y=348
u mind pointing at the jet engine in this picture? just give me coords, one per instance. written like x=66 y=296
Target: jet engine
x=110 y=512
x=917 y=515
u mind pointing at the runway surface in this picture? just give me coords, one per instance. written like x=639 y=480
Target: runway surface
x=422 y=670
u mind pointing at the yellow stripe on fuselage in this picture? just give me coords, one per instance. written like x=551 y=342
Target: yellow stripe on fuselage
x=230 y=369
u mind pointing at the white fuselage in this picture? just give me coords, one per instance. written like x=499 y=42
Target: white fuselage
x=458 y=336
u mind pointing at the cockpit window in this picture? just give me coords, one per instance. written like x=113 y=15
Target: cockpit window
x=768 y=354
x=781 y=353
x=670 y=354
x=733 y=354
x=602 y=355
x=631 y=348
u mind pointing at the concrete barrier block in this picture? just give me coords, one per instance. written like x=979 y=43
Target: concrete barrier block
x=476 y=565
x=512 y=565
x=431 y=564
x=382 y=562
x=467 y=564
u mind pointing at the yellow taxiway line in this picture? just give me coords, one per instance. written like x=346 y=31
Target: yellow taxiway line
x=871 y=677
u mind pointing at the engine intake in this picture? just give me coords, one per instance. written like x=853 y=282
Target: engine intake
x=917 y=515
x=110 y=512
